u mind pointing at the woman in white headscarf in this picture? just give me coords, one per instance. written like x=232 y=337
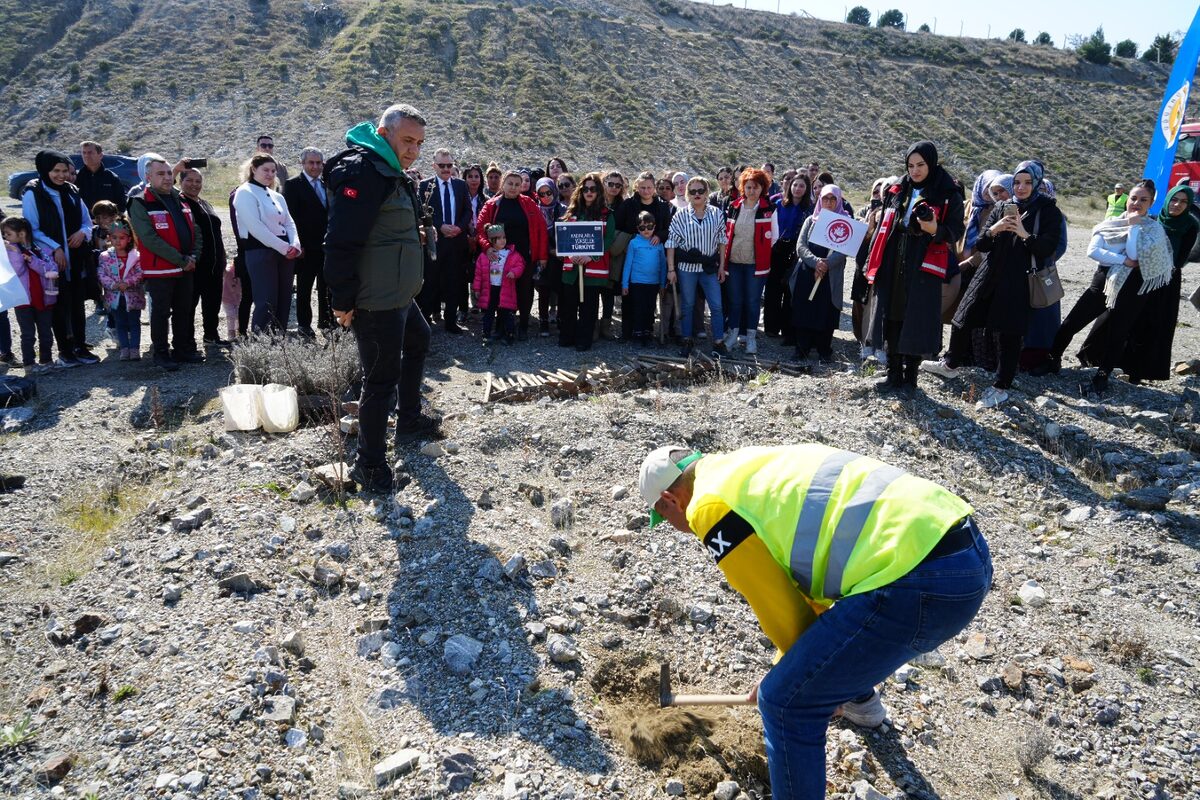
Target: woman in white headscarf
x=817 y=311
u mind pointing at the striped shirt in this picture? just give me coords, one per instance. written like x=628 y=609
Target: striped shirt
x=687 y=232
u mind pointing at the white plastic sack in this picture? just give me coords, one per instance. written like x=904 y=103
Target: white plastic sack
x=278 y=408
x=12 y=292
x=240 y=405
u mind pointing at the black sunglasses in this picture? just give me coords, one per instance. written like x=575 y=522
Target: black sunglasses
x=645 y=227
x=545 y=193
x=443 y=166
x=697 y=192
x=615 y=185
x=590 y=188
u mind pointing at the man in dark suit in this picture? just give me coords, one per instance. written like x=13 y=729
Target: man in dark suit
x=446 y=279
x=309 y=207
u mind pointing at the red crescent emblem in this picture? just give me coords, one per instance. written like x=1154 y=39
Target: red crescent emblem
x=840 y=232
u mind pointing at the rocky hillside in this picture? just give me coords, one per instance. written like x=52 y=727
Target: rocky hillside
x=625 y=82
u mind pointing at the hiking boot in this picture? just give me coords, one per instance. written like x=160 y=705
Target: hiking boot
x=866 y=714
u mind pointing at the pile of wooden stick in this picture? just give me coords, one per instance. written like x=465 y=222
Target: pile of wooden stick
x=642 y=371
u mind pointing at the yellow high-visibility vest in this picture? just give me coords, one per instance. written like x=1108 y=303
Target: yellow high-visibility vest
x=840 y=523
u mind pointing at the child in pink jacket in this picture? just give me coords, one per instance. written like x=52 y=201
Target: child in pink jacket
x=496 y=273
x=124 y=293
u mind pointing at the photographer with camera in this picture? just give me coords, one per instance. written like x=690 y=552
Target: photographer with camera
x=909 y=260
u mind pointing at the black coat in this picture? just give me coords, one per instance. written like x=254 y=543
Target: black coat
x=309 y=214
x=998 y=295
x=920 y=293
x=102 y=184
x=627 y=216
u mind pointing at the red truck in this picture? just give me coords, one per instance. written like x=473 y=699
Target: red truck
x=1187 y=167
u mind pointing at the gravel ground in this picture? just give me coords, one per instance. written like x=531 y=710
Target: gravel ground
x=181 y=618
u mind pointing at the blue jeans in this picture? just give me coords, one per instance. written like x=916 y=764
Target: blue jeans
x=745 y=297
x=688 y=281
x=856 y=644
x=128 y=324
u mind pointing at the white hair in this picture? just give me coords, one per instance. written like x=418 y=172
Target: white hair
x=441 y=151
x=311 y=151
x=398 y=113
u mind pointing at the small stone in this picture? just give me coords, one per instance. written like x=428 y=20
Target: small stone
x=990 y=684
x=619 y=493
x=544 y=569
x=979 y=647
x=54 y=768
x=674 y=787
x=349 y=425
x=865 y=791
x=241 y=583
x=1078 y=515
x=905 y=674
x=514 y=565
x=1041 y=401
x=245 y=626
x=700 y=612
x=351 y=791
x=460 y=653
x=164 y=780
x=932 y=659
x=370 y=644
x=459 y=767
x=1190 y=367
x=485 y=500
x=333 y=476
x=296 y=739
x=287 y=524
x=1053 y=430
x=339 y=550
x=1107 y=714
x=562 y=513
x=194 y=781
x=1149 y=498
x=172 y=593
x=433 y=450
x=726 y=790
x=561 y=649
x=302 y=492
x=395 y=765
x=560 y=624
x=293 y=642
x=1032 y=594
x=7 y=558
x=490 y=570
x=1013 y=677
x=279 y=708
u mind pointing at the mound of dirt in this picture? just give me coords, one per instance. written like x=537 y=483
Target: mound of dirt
x=700 y=748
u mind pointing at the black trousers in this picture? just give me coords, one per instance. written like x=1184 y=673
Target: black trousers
x=577 y=320
x=247 y=303
x=446 y=285
x=392 y=346
x=807 y=339
x=777 y=296
x=961 y=352
x=172 y=314
x=494 y=309
x=1087 y=308
x=638 y=308
x=525 y=297
x=206 y=293
x=311 y=270
x=62 y=318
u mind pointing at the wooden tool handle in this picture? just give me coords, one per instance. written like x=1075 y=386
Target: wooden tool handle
x=816 y=285
x=710 y=700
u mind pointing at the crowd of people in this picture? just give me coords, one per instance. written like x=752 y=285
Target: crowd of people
x=686 y=261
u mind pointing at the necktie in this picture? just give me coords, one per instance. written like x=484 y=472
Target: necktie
x=320 y=190
x=447 y=211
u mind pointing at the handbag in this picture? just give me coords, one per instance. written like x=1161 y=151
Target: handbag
x=1045 y=288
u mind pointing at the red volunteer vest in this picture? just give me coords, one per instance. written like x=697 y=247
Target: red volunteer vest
x=164 y=226
x=762 y=234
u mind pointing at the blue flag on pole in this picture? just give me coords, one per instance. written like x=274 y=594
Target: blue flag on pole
x=1170 y=116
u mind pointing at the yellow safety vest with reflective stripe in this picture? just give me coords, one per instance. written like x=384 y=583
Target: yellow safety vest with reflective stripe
x=838 y=522
x=1116 y=204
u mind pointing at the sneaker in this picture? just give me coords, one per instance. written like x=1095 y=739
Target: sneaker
x=940 y=368
x=66 y=362
x=867 y=714
x=992 y=397
x=42 y=367
x=85 y=357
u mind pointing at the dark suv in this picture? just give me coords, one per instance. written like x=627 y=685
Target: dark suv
x=124 y=166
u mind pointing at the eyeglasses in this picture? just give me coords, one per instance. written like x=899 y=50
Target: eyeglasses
x=615 y=185
x=590 y=188
x=697 y=192
x=266 y=145
x=545 y=193
x=645 y=227
x=442 y=166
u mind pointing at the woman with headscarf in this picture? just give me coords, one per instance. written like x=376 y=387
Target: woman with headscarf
x=792 y=210
x=1044 y=322
x=1134 y=258
x=909 y=259
x=62 y=227
x=1148 y=355
x=549 y=279
x=816 y=314
x=1016 y=238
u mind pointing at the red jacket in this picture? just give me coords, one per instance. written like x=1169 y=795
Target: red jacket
x=762 y=233
x=512 y=268
x=538 y=240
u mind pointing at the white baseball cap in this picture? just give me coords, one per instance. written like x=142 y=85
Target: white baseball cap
x=658 y=472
